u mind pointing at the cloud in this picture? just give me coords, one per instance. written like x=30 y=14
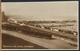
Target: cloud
x=42 y=11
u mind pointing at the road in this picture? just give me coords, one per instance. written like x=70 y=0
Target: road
x=47 y=43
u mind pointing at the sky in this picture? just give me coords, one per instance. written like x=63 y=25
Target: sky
x=41 y=10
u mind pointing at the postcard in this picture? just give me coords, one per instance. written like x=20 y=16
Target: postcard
x=40 y=25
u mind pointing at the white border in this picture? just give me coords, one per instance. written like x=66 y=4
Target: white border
x=53 y=2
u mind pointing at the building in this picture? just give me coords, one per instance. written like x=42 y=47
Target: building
x=4 y=17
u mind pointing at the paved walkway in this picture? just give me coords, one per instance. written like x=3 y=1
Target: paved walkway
x=47 y=43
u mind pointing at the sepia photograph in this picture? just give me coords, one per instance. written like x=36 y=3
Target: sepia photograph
x=40 y=25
